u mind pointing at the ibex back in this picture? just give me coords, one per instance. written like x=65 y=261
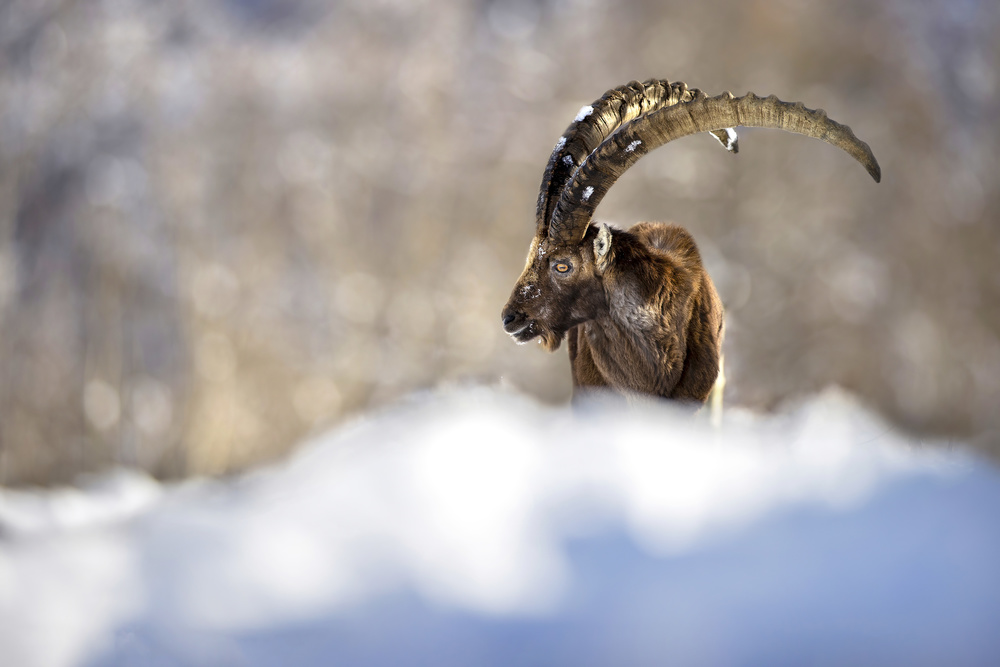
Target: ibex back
x=639 y=309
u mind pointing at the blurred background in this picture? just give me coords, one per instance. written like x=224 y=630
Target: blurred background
x=225 y=224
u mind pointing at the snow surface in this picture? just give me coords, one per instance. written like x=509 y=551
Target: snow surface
x=584 y=112
x=633 y=145
x=589 y=190
x=476 y=527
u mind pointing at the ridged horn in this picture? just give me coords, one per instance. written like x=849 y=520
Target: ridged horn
x=594 y=124
x=600 y=170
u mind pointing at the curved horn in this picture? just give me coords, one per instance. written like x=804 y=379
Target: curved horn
x=616 y=154
x=595 y=123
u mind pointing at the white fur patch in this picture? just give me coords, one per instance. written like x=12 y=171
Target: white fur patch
x=732 y=137
x=535 y=246
x=629 y=309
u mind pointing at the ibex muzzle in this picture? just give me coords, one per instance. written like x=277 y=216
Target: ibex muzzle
x=639 y=310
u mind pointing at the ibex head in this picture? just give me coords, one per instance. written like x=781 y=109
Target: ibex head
x=560 y=287
x=562 y=284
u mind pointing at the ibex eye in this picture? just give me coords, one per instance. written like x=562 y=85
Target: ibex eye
x=561 y=267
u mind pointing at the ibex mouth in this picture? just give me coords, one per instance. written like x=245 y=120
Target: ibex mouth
x=517 y=323
x=525 y=333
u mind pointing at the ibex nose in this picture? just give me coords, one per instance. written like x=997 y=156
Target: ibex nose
x=512 y=320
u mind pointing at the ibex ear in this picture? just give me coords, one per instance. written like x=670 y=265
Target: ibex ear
x=728 y=138
x=602 y=246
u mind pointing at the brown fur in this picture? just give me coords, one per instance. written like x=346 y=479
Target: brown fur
x=642 y=318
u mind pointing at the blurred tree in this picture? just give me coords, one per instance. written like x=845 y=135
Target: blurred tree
x=225 y=224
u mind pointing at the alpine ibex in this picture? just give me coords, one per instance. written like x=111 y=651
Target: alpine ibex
x=640 y=311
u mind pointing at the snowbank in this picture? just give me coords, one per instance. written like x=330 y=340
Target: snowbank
x=477 y=527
